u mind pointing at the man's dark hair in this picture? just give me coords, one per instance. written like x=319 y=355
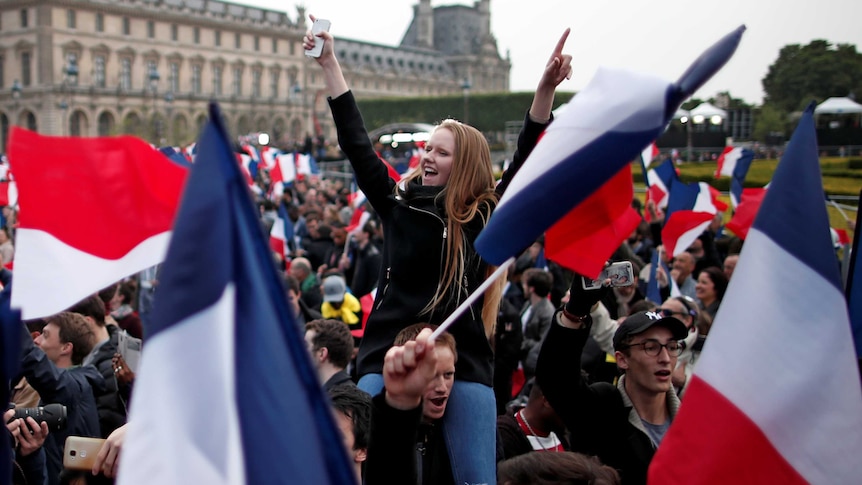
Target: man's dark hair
x=356 y=405
x=107 y=293
x=92 y=307
x=335 y=336
x=292 y=283
x=555 y=469
x=540 y=280
x=73 y=329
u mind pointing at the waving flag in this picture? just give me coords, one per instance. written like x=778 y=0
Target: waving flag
x=690 y=210
x=93 y=211
x=743 y=216
x=734 y=162
x=602 y=130
x=796 y=416
x=659 y=181
x=649 y=154
x=306 y=164
x=854 y=286
x=227 y=393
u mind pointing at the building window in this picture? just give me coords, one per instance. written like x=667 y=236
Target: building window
x=25 y=69
x=292 y=48
x=151 y=29
x=237 y=41
x=100 y=22
x=174 y=77
x=255 y=83
x=127 y=26
x=218 y=38
x=196 y=79
x=274 y=45
x=217 y=80
x=256 y=43
x=126 y=74
x=197 y=35
x=273 y=84
x=24 y=18
x=70 y=19
x=99 y=71
x=2 y=72
x=237 y=81
x=175 y=32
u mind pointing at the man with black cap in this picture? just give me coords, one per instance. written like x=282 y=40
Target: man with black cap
x=621 y=424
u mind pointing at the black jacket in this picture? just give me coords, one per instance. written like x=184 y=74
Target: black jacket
x=73 y=388
x=598 y=416
x=112 y=409
x=414 y=224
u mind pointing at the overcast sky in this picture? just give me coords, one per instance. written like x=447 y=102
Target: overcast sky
x=661 y=37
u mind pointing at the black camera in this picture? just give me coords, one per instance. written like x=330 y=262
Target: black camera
x=53 y=414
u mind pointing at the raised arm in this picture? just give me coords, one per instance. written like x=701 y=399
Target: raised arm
x=558 y=68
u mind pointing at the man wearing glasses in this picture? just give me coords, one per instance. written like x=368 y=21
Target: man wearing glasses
x=623 y=424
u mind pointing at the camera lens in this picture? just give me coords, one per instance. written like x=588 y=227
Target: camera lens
x=53 y=414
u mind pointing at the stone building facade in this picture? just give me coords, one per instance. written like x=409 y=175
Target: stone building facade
x=149 y=67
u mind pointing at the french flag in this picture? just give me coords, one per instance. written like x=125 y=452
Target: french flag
x=649 y=154
x=776 y=396
x=854 y=286
x=306 y=165
x=746 y=211
x=93 y=211
x=602 y=130
x=691 y=208
x=659 y=181
x=278 y=234
x=734 y=162
x=282 y=173
x=226 y=393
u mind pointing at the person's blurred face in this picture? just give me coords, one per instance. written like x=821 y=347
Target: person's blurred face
x=684 y=263
x=49 y=342
x=339 y=235
x=705 y=288
x=293 y=301
x=679 y=311
x=436 y=163
x=730 y=265
x=116 y=300
x=437 y=393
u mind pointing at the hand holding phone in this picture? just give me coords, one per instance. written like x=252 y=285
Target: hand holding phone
x=80 y=452
x=320 y=25
x=619 y=274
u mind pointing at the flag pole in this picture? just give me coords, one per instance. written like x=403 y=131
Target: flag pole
x=472 y=298
x=838 y=208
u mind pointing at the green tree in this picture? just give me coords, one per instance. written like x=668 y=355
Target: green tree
x=814 y=71
x=769 y=121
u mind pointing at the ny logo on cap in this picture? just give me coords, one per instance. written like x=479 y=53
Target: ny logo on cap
x=653 y=315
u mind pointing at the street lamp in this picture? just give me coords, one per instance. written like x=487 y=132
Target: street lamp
x=153 y=76
x=169 y=109
x=70 y=79
x=16 y=93
x=465 y=87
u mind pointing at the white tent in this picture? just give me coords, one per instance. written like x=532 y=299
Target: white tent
x=837 y=105
x=708 y=111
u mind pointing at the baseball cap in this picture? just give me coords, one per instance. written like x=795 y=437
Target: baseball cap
x=333 y=289
x=642 y=321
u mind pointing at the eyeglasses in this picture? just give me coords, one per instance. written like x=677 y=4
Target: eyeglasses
x=653 y=347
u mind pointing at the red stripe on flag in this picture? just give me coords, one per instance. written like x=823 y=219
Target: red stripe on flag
x=588 y=235
x=746 y=211
x=128 y=191
x=712 y=442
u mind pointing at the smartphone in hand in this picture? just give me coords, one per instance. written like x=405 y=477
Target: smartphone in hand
x=80 y=452
x=619 y=274
x=320 y=25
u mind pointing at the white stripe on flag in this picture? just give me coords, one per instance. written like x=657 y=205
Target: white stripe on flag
x=189 y=422
x=796 y=341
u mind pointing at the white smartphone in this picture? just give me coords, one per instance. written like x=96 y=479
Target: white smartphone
x=80 y=452
x=320 y=25
x=619 y=274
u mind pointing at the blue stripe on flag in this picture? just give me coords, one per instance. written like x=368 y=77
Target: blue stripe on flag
x=780 y=213
x=854 y=286
x=287 y=428
x=10 y=328
x=682 y=197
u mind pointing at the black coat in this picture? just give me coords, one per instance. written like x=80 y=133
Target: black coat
x=414 y=224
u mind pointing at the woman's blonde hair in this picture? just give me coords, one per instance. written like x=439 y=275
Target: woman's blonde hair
x=469 y=193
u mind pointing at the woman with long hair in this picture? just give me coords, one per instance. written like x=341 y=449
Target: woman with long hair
x=709 y=289
x=430 y=221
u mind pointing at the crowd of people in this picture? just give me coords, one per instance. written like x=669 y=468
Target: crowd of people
x=541 y=380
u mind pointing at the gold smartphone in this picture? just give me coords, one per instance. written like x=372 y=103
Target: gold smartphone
x=80 y=452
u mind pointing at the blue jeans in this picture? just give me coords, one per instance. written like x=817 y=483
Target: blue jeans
x=469 y=428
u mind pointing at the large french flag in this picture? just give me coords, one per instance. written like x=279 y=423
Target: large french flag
x=854 y=285
x=776 y=396
x=602 y=130
x=659 y=181
x=227 y=393
x=734 y=162
x=92 y=211
x=10 y=355
x=691 y=208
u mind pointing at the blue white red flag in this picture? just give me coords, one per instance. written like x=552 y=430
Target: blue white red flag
x=776 y=395
x=306 y=165
x=734 y=162
x=602 y=130
x=690 y=210
x=854 y=286
x=746 y=211
x=226 y=393
x=649 y=154
x=93 y=211
x=659 y=181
